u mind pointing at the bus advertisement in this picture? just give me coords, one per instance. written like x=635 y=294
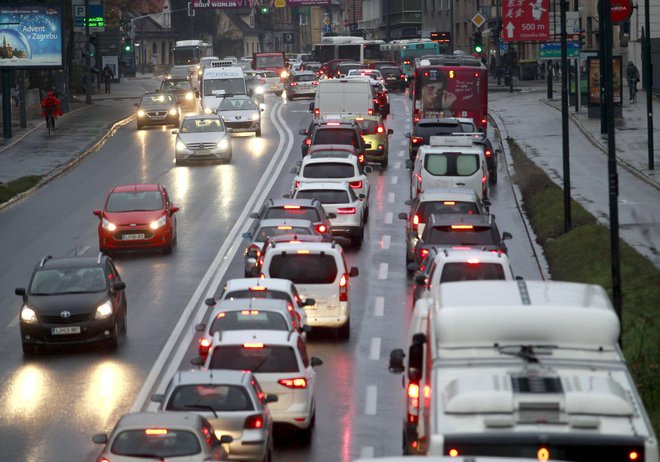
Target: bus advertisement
x=451 y=91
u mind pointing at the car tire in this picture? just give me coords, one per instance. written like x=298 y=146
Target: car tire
x=29 y=350
x=113 y=342
x=278 y=93
x=492 y=178
x=124 y=323
x=168 y=248
x=258 y=132
x=139 y=126
x=384 y=163
x=344 y=332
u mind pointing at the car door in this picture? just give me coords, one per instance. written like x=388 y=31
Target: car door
x=118 y=296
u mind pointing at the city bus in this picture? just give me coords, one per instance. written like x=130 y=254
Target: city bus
x=404 y=52
x=348 y=47
x=450 y=86
x=187 y=54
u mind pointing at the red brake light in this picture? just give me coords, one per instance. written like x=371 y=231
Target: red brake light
x=293 y=84
x=473 y=261
x=346 y=211
x=449 y=203
x=483 y=179
x=253 y=345
x=297 y=183
x=257 y=289
x=254 y=422
x=453 y=452
x=370 y=111
x=462 y=227
x=488 y=153
x=361 y=158
x=285 y=227
x=380 y=129
x=355 y=184
x=402 y=76
x=155 y=431
x=317 y=111
x=343 y=288
x=308 y=141
x=543 y=454
x=250 y=312
x=417 y=140
x=413 y=402
x=321 y=228
x=298 y=382
x=315 y=83
x=292 y=207
x=633 y=455
x=423 y=253
x=484 y=121
x=415 y=222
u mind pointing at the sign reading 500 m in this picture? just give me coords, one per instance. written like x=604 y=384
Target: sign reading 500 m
x=30 y=36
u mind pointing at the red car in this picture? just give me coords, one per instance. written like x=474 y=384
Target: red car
x=137 y=216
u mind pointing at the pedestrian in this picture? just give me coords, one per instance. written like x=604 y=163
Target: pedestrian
x=107 y=77
x=632 y=75
x=50 y=106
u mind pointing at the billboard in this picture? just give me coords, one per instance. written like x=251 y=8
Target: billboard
x=253 y=3
x=594 y=77
x=31 y=36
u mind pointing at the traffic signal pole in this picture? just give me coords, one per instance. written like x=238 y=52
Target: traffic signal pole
x=88 y=60
x=564 y=119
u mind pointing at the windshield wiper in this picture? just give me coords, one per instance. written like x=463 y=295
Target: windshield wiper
x=145 y=456
x=526 y=352
x=202 y=407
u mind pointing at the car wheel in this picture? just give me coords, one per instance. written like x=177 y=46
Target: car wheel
x=258 y=132
x=168 y=248
x=278 y=93
x=29 y=350
x=124 y=323
x=344 y=332
x=139 y=126
x=384 y=162
x=493 y=176
x=113 y=342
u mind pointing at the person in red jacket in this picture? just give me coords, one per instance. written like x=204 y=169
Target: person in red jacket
x=50 y=106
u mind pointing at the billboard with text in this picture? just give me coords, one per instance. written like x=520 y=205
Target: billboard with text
x=253 y=3
x=30 y=36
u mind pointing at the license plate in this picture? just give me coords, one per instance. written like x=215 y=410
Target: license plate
x=390 y=78
x=132 y=237
x=202 y=152
x=65 y=330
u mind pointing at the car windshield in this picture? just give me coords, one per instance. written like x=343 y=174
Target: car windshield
x=229 y=86
x=303 y=213
x=326 y=196
x=237 y=104
x=463 y=271
x=53 y=281
x=335 y=136
x=265 y=232
x=451 y=164
x=468 y=127
x=328 y=170
x=156 y=99
x=201 y=125
x=426 y=209
x=311 y=268
x=171 y=85
x=445 y=235
x=248 y=320
x=156 y=443
x=133 y=201
x=255 y=358
x=219 y=397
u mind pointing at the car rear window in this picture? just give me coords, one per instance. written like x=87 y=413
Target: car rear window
x=304 y=213
x=255 y=358
x=426 y=209
x=248 y=320
x=134 y=201
x=463 y=271
x=326 y=196
x=265 y=232
x=429 y=129
x=445 y=235
x=451 y=164
x=164 y=443
x=335 y=136
x=369 y=127
x=312 y=268
x=385 y=71
x=218 y=397
x=328 y=170
x=304 y=78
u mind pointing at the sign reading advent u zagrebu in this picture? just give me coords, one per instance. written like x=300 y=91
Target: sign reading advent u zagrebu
x=202 y=4
x=525 y=20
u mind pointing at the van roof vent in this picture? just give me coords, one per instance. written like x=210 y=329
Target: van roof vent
x=536 y=385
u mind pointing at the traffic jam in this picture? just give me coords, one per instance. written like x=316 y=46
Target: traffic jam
x=487 y=364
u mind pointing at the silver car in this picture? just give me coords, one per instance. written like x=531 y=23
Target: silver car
x=233 y=403
x=241 y=114
x=202 y=137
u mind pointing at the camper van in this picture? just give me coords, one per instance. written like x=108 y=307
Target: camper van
x=220 y=79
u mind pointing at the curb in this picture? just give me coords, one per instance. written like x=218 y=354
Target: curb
x=72 y=163
x=621 y=163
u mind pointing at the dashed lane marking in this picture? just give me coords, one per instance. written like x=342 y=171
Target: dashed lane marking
x=370 y=405
x=379 y=306
x=390 y=197
x=389 y=216
x=374 y=351
x=382 y=271
x=385 y=242
x=395 y=179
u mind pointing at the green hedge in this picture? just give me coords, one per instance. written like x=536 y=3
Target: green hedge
x=15 y=187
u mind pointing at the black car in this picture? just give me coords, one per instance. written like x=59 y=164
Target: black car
x=302 y=209
x=456 y=230
x=182 y=89
x=157 y=109
x=72 y=300
x=426 y=128
x=334 y=131
x=395 y=79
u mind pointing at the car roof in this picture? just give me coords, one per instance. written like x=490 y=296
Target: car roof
x=303 y=73
x=251 y=304
x=285 y=222
x=211 y=376
x=71 y=262
x=238 y=97
x=136 y=187
x=436 y=194
x=278 y=284
x=282 y=202
x=331 y=155
x=330 y=147
x=443 y=120
x=201 y=116
x=315 y=247
x=448 y=219
x=138 y=420
x=267 y=337
x=451 y=255
x=336 y=185
x=289 y=238
x=334 y=158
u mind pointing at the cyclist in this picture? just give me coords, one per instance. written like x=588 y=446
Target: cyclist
x=50 y=107
x=632 y=75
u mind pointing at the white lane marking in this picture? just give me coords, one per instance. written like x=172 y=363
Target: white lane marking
x=404 y=143
x=374 y=351
x=389 y=216
x=385 y=242
x=218 y=268
x=390 y=197
x=382 y=271
x=397 y=165
x=367 y=452
x=371 y=400
x=401 y=153
x=13 y=323
x=379 y=306
x=82 y=251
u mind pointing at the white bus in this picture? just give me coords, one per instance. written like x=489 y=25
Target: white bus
x=187 y=54
x=348 y=47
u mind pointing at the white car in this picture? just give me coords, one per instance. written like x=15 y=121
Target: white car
x=318 y=269
x=280 y=363
x=274 y=83
x=338 y=198
x=240 y=114
x=335 y=167
x=201 y=138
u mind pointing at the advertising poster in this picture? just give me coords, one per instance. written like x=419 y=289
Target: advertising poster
x=450 y=93
x=593 y=67
x=30 y=36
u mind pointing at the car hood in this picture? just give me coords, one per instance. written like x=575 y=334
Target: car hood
x=136 y=217
x=208 y=137
x=244 y=114
x=53 y=305
x=159 y=107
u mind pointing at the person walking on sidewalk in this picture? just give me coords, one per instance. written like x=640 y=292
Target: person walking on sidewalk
x=50 y=107
x=632 y=75
x=107 y=77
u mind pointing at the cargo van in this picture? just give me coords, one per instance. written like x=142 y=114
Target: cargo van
x=343 y=97
x=220 y=79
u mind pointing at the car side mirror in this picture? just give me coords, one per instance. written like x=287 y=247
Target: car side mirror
x=367 y=145
x=408 y=135
x=408 y=202
x=286 y=196
x=261 y=109
x=175 y=132
x=302 y=131
x=97 y=213
x=201 y=327
x=403 y=216
x=412 y=266
x=316 y=361
x=119 y=285
x=209 y=301
x=390 y=131
x=306 y=328
x=198 y=361
x=520 y=278
x=20 y=291
x=247 y=235
x=309 y=302
x=368 y=169
x=396 y=361
x=100 y=438
x=254 y=215
x=362 y=196
x=298 y=163
x=353 y=272
x=271 y=399
x=174 y=209
x=506 y=235
x=157 y=397
x=226 y=439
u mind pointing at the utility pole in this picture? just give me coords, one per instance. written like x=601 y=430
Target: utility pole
x=88 y=61
x=647 y=74
x=564 y=118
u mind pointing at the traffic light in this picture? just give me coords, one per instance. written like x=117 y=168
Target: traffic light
x=478 y=46
x=264 y=10
x=128 y=46
x=582 y=39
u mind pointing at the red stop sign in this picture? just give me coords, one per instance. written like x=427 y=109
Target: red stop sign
x=620 y=11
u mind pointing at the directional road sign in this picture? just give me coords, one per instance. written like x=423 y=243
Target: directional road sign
x=553 y=50
x=525 y=21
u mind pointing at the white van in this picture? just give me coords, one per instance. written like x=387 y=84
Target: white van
x=343 y=97
x=220 y=79
x=450 y=162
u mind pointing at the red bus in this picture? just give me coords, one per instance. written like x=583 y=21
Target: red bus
x=450 y=86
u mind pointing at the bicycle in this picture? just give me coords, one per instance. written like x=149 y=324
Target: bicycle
x=50 y=123
x=632 y=87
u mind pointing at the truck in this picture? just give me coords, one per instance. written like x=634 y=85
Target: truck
x=521 y=369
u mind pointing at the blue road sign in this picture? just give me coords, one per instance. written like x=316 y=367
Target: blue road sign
x=552 y=50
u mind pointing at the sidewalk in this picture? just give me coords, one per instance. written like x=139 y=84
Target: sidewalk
x=31 y=152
